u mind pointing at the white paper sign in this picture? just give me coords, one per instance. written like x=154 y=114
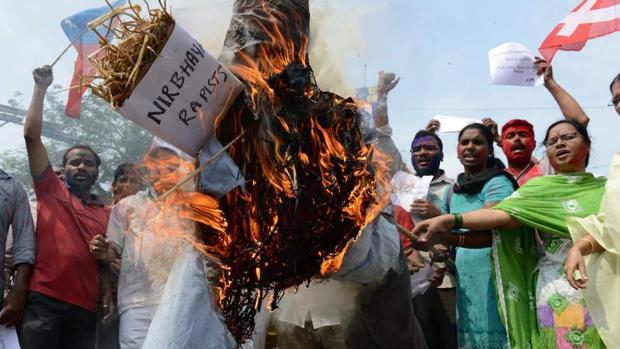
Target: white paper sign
x=8 y=338
x=450 y=124
x=419 y=280
x=513 y=64
x=406 y=188
x=182 y=93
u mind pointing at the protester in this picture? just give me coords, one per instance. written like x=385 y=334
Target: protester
x=517 y=138
x=592 y=264
x=482 y=184
x=436 y=308
x=126 y=182
x=359 y=305
x=523 y=277
x=61 y=305
x=385 y=144
x=15 y=215
x=615 y=93
x=146 y=258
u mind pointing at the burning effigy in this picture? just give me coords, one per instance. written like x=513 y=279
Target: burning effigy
x=310 y=184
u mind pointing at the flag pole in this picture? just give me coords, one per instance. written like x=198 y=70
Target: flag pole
x=197 y=171
x=93 y=24
x=67 y=48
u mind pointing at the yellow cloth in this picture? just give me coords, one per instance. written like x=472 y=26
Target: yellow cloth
x=602 y=294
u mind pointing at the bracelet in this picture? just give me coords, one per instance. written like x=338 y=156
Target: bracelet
x=458 y=221
x=589 y=242
x=461 y=240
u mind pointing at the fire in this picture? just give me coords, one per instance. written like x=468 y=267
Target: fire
x=312 y=183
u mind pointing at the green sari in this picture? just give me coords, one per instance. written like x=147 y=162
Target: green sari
x=543 y=204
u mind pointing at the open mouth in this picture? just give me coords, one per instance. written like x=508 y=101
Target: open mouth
x=560 y=154
x=422 y=163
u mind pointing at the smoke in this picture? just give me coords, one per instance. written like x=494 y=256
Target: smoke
x=337 y=33
x=206 y=20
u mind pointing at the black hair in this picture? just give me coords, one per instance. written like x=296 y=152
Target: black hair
x=424 y=133
x=124 y=169
x=582 y=130
x=613 y=82
x=84 y=147
x=488 y=136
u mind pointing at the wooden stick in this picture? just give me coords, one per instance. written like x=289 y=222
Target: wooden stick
x=67 y=48
x=101 y=19
x=197 y=171
x=67 y=89
x=406 y=232
x=106 y=16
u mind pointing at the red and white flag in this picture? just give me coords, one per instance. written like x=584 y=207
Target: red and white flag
x=589 y=20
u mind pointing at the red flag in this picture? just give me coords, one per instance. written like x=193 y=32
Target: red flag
x=590 y=19
x=82 y=76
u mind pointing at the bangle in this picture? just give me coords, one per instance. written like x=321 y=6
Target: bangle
x=458 y=221
x=590 y=243
x=461 y=240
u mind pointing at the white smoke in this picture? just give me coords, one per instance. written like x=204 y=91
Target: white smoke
x=206 y=20
x=337 y=33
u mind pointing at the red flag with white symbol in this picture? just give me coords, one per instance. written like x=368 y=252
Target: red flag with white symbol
x=590 y=19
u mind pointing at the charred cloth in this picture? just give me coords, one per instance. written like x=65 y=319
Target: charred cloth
x=309 y=178
x=308 y=186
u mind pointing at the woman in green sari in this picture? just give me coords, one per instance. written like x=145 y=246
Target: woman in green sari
x=530 y=243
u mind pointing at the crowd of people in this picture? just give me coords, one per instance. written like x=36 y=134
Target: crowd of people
x=520 y=256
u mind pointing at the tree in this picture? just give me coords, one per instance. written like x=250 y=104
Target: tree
x=113 y=137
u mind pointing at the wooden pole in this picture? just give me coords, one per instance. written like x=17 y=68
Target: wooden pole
x=67 y=48
x=197 y=171
x=92 y=25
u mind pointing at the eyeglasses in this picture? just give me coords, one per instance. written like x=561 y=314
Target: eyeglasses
x=565 y=138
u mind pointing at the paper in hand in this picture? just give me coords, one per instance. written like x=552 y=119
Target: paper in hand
x=450 y=124
x=406 y=188
x=8 y=338
x=419 y=280
x=513 y=64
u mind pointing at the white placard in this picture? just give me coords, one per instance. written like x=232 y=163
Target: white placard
x=8 y=338
x=419 y=280
x=182 y=93
x=513 y=64
x=406 y=188
x=450 y=124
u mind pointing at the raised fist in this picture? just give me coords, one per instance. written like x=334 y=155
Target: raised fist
x=43 y=76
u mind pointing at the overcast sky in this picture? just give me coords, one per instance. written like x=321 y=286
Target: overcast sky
x=438 y=48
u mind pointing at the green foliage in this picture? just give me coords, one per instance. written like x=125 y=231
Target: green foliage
x=113 y=137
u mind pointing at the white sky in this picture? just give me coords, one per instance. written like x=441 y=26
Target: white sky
x=439 y=48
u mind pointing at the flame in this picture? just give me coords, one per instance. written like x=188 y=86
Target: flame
x=173 y=220
x=312 y=183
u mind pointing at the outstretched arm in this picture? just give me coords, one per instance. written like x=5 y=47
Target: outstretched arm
x=37 y=154
x=568 y=105
x=480 y=220
x=387 y=81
